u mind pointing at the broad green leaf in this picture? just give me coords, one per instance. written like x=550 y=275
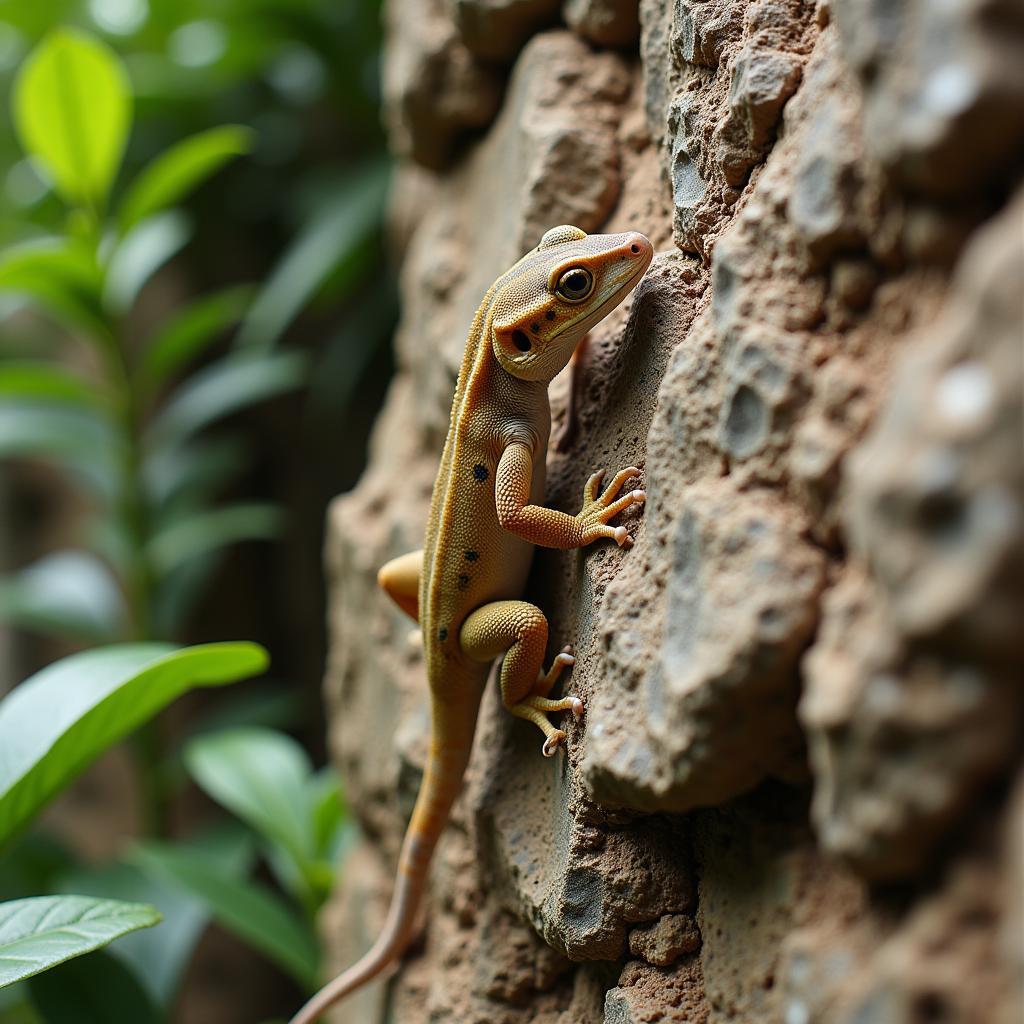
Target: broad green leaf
x=261 y=776
x=224 y=387
x=265 y=778
x=72 y=110
x=337 y=234
x=191 y=332
x=43 y=931
x=202 y=532
x=54 y=724
x=47 y=382
x=94 y=989
x=60 y=276
x=143 y=251
x=159 y=957
x=183 y=167
x=249 y=910
x=67 y=593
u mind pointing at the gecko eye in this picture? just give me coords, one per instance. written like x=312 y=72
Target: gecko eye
x=575 y=285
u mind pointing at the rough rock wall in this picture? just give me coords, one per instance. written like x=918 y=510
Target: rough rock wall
x=796 y=795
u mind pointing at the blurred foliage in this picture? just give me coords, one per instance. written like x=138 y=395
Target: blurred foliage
x=191 y=210
x=51 y=727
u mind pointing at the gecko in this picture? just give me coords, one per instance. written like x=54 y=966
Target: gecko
x=486 y=515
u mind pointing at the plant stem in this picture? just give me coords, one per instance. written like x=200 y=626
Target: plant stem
x=137 y=574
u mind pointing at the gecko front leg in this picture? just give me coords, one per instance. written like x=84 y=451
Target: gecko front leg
x=547 y=526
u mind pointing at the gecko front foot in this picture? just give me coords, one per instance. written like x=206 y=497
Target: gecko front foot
x=598 y=509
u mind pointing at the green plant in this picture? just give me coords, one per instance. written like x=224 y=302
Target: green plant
x=127 y=434
x=87 y=384
x=51 y=727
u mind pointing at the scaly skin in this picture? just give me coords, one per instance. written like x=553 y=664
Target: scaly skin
x=485 y=517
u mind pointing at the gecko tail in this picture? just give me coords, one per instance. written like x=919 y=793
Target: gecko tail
x=446 y=765
x=395 y=936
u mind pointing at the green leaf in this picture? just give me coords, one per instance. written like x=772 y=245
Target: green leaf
x=76 y=439
x=224 y=387
x=337 y=234
x=265 y=778
x=183 y=167
x=94 y=989
x=68 y=261
x=72 y=110
x=159 y=957
x=261 y=776
x=329 y=810
x=250 y=911
x=34 y=429
x=60 y=276
x=43 y=931
x=45 y=381
x=203 y=532
x=66 y=593
x=191 y=332
x=143 y=251
x=54 y=724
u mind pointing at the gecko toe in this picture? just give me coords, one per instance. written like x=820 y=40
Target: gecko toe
x=552 y=743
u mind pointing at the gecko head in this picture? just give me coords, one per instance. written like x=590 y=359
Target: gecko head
x=557 y=292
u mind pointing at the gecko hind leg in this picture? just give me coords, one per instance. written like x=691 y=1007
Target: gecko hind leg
x=519 y=630
x=400 y=580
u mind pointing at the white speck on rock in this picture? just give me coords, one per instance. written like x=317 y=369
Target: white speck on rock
x=797 y=1013
x=965 y=393
x=949 y=90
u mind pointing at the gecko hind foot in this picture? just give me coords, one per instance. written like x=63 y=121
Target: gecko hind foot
x=563 y=660
x=552 y=743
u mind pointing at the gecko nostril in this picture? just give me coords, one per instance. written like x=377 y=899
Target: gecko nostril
x=634 y=248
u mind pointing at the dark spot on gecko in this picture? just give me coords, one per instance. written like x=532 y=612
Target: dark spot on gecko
x=535 y=328
x=463 y=581
x=442 y=634
x=480 y=473
x=472 y=556
x=521 y=341
x=550 y=314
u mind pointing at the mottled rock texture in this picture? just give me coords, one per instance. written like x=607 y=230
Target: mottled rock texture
x=796 y=794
